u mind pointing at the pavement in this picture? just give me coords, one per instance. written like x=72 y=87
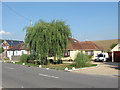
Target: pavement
x=19 y=76
x=103 y=68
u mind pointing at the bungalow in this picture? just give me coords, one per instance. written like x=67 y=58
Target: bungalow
x=7 y=44
x=116 y=53
x=74 y=46
x=17 y=51
x=87 y=47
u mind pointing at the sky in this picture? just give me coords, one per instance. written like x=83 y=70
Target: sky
x=88 y=20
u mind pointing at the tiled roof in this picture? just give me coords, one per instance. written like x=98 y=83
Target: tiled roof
x=73 y=45
x=18 y=47
x=13 y=42
x=86 y=45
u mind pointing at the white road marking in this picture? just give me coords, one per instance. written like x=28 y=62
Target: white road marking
x=22 y=87
x=48 y=75
x=9 y=68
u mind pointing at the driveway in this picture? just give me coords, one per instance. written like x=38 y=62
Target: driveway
x=103 y=68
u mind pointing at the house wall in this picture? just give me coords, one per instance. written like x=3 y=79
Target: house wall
x=20 y=52
x=72 y=56
x=96 y=53
x=116 y=48
x=16 y=53
x=9 y=54
x=74 y=53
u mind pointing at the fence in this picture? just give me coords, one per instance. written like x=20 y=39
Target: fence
x=16 y=58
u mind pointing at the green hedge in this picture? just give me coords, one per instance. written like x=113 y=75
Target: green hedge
x=82 y=60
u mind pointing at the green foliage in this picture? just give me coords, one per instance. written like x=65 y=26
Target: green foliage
x=113 y=45
x=46 y=37
x=81 y=60
x=33 y=57
x=1 y=50
x=1 y=40
x=89 y=56
x=6 y=58
x=24 y=58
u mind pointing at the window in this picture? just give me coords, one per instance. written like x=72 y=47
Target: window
x=75 y=41
x=67 y=53
x=89 y=53
x=22 y=52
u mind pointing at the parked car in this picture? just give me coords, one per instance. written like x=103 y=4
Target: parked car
x=102 y=57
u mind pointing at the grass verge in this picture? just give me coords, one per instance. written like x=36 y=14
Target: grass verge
x=55 y=66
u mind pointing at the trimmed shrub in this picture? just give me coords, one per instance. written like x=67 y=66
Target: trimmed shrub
x=24 y=58
x=82 y=60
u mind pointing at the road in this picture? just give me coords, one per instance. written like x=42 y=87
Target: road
x=19 y=76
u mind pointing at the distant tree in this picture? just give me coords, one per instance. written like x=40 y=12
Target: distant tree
x=113 y=45
x=1 y=50
x=46 y=37
x=1 y=40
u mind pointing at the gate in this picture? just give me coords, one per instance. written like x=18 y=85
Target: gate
x=16 y=58
x=116 y=56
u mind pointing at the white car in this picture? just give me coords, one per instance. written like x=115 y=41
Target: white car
x=101 y=57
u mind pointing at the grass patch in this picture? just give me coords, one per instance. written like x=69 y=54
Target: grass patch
x=63 y=66
x=54 y=66
x=29 y=64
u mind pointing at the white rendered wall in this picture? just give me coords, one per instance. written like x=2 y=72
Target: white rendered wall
x=16 y=53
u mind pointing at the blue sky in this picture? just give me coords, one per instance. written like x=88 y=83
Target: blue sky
x=88 y=21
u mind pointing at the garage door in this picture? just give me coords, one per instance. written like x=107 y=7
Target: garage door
x=116 y=56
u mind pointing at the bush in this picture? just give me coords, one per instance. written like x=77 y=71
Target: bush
x=6 y=58
x=24 y=58
x=81 y=60
x=51 y=61
x=33 y=57
x=31 y=61
x=89 y=56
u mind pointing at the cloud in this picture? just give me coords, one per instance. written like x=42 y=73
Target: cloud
x=2 y=32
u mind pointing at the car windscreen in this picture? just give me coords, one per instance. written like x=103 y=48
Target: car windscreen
x=100 y=55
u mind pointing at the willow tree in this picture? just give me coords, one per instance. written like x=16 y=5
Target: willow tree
x=45 y=37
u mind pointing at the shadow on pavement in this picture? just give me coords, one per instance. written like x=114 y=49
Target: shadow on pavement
x=114 y=65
